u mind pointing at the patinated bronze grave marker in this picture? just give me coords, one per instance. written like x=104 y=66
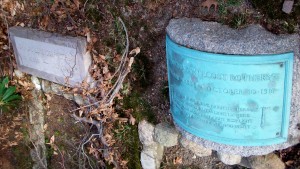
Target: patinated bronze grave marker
x=234 y=91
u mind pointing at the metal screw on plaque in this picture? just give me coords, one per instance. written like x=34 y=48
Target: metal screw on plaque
x=281 y=64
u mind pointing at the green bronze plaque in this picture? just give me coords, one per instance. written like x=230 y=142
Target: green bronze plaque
x=230 y=99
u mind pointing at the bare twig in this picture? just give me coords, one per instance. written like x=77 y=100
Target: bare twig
x=122 y=70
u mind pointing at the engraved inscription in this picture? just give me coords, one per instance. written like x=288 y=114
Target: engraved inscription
x=227 y=100
x=47 y=57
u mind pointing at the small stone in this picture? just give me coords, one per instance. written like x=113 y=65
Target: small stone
x=151 y=156
x=229 y=159
x=36 y=82
x=18 y=73
x=68 y=96
x=146 y=131
x=269 y=161
x=79 y=100
x=287 y=6
x=56 y=88
x=46 y=86
x=166 y=135
x=198 y=150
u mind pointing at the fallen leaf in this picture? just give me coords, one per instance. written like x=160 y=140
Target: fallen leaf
x=209 y=3
x=290 y=162
x=132 y=120
x=177 y=160
x=77 y=3
x=52 y=139
x=45 y=127
x=135 y=51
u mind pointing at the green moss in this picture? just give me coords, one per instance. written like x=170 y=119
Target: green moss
x=128 y=136
x=93 y=14
x=49 y=151
x=141 y=108
x=237 y=21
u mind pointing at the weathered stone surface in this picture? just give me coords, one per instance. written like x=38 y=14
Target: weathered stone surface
x=79 y=100
x=253 y=40
x=146 y=132
x=287 y=6
x=36 y=131
x=269 y=161
x=199 y=150
x=229 y=159
x=36 y=82
x=151 y=156
x=50 y=56
x=68 y=96
x=46 y=86
x=56 y=88
x=18 y=73
x=166 y=135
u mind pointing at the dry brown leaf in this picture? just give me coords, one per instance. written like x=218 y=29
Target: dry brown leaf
x=177 y=160
x=48 y=97
x=132 y=120
x=52 y=139
x=77 y=3
x=45 y=127
x=209 y=3
x=135 y=51
x=290 y=162
x=13 y=143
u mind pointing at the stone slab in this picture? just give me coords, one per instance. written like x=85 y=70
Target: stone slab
x=54 y=57
x=253 y=40
x=287 y=6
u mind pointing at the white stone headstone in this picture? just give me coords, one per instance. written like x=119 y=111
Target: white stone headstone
x=57 y=58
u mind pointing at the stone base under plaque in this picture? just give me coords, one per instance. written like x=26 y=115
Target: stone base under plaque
x=244 y=151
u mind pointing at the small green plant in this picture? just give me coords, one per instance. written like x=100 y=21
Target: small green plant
x=238 y=20
x=8 y=96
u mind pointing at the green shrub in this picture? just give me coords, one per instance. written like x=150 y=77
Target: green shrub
x=8 y=96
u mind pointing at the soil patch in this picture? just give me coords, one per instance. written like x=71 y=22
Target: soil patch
x=67 y=133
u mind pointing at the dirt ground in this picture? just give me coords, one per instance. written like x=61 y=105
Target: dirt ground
x=68 y=134
x=146 y=21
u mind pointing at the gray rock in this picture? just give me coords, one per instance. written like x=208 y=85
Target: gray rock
x=79 y=100
x=146 y=132
x=36 y=82
x=197 y=149
x=37 y=111
x=56 y=88
x=166 y=135
x=151 y=156
x=229 y=159
x=46 y=86
x=68 y=96
x=287 y=6
x=270 y=161
x=18 y=73
x=253 y=40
